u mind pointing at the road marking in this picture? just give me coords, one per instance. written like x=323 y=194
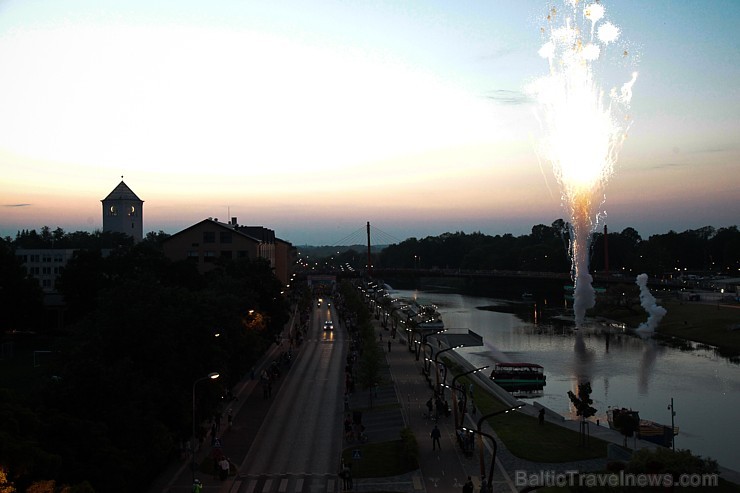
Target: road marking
x=298 y=485
x=235 y=487
x=283 y=485
x=330 y=486
x=268 y=485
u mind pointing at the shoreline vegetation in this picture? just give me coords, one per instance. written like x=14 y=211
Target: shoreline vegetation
x=686 y=325
x=713 y=324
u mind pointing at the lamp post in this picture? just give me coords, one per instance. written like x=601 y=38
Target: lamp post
x=673 y=427
x=436 y=362
x=424 y=341
x=481 y=434
x=454 y=391
x=211 y=376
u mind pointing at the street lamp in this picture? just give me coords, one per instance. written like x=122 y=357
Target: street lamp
x=436 y=362
x=454 y=389
x=673 y=426
x=481 y=434
x=424 y=341
x=211 y=376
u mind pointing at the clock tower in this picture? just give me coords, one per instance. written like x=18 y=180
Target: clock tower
x=123 y=212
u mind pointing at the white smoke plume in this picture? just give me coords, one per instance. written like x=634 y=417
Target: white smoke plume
x=648 y=302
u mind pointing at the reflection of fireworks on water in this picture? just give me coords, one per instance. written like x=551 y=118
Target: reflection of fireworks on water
x=583 y=129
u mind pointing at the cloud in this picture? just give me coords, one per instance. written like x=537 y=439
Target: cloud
x=667 y=166
x=16 y=205
x=506 y=96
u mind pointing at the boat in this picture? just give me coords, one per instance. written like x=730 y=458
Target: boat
x=624 y=419
x=511 y=374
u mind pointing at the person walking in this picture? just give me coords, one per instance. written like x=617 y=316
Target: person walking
x=436 y=434
x=468 y=486
x=484 y=487
x=197 y=486
x=389 y=346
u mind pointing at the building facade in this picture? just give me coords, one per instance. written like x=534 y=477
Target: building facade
x=210 y=239
x=44 y=264
x=123 y=212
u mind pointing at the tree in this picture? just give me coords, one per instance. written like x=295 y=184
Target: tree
x=582 y=402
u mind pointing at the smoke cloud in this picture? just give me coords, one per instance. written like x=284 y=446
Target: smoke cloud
x=648 y=302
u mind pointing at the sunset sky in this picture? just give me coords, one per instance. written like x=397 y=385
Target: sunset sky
x=313 y=117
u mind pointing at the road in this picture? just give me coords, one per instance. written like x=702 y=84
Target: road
x=298 y=445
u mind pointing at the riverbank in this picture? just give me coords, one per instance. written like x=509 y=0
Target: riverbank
x=714 y=324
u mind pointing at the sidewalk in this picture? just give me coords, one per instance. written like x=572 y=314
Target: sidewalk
x=178 y=476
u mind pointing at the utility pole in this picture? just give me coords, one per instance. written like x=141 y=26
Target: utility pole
x=369 y=258
x=606 y=252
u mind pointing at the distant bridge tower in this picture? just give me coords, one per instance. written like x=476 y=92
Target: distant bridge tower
x=369 y=257
x=606 y=252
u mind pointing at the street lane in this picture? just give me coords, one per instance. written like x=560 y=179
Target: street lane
x=301 y=434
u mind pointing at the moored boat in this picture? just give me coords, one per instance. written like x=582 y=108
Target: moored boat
x=518 y=374
x=629 y=421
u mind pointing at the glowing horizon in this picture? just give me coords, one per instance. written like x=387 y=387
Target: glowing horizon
x=291 y=116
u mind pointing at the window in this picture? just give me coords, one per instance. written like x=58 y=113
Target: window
x=225 y=237
x=209 y=237
x=209 y=257
x=46 y=271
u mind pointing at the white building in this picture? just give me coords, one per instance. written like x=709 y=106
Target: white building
x=123 y=212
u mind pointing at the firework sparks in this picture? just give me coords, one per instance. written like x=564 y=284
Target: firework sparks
x=583 y=128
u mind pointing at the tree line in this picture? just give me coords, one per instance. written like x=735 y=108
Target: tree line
x=546 y=249
x=110 y=404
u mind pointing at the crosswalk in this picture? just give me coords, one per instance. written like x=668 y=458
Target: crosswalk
x=287 y=483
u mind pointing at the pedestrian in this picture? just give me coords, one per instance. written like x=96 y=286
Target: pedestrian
x=541 y=416
x=468 y=486
x=224 y=467
x=197 y=486
x=389 y=346
x=430 y=407
x=436 y=434
x=484 y=488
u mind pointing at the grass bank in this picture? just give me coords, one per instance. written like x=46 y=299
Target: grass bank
x=524 y=437
x=714 y=324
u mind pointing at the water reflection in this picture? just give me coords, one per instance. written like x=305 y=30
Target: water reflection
x=647 y=364
x=583 y=359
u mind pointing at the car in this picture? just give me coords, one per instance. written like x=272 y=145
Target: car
x=328 y=325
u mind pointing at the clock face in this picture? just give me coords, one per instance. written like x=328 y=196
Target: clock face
x=113 y=210
x=132 y=210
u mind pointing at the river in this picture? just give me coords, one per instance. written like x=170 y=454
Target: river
x=624 y=370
